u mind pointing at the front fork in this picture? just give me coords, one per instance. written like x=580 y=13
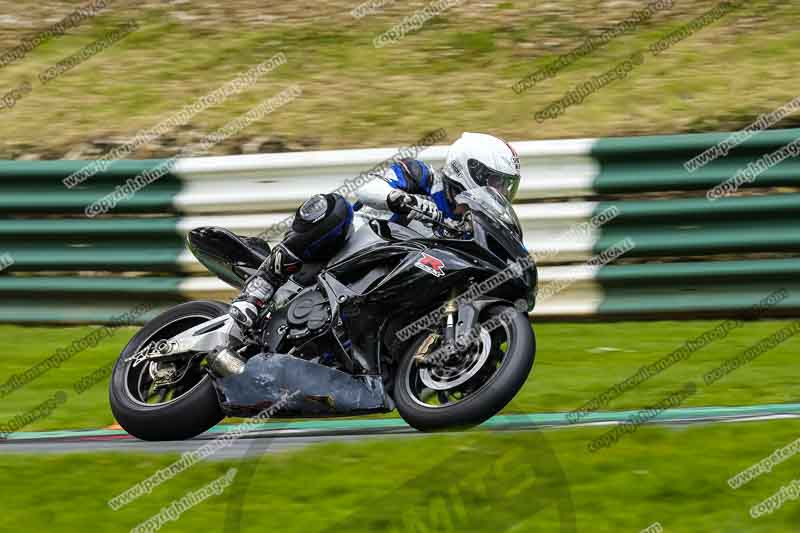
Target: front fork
x=458 y=320
x=451 y=311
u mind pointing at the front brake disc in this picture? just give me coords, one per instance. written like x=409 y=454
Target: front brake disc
x=444 y=377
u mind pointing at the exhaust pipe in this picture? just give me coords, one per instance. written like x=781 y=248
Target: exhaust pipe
x=225 y=362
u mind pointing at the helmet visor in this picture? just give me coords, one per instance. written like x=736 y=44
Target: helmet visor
x=505 y=184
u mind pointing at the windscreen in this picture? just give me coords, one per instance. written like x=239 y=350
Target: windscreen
x=492 y=203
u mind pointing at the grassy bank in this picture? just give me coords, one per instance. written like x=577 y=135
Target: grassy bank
x=456 y=72
x=525 y=481
x=575 y=362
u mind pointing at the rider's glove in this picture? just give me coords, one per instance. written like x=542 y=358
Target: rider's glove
x=413 y=206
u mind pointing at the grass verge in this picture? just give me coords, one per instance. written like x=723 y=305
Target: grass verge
x=525 y=481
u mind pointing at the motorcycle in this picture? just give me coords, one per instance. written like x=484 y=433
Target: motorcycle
x=424 y=323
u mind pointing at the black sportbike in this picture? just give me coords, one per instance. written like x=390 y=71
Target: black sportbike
x=433 y=324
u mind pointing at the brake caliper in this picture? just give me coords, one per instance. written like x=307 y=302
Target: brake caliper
x=425 y=348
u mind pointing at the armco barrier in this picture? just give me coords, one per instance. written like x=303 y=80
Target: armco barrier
x=692 y=257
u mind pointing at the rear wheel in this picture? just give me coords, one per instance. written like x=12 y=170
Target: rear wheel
x=148 y=408
x=468 y=387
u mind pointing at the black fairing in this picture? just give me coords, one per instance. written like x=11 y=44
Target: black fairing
x=504 y=247
x=396 y=288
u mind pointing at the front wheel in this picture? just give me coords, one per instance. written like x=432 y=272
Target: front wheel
x=466 y=388
x=148 y=408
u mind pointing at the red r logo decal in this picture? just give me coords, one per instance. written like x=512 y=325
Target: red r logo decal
x=431 y=265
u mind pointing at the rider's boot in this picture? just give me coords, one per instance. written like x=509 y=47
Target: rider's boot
x=259 y=289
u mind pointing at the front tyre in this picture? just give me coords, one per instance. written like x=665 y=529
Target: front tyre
x=469 y=387
x=156 y=413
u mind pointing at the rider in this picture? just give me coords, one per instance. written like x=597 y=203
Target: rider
x=408 y=190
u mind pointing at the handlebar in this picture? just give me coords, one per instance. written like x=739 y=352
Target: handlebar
x=448 y=224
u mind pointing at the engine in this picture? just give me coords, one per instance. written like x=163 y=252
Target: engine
x=308 y=314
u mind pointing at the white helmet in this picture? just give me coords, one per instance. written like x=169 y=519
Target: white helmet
x=480 y=160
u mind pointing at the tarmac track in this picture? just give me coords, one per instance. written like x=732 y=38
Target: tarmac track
x=287 y=436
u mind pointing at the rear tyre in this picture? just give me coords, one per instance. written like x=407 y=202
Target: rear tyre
x=483 y=383
x=147 y=412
